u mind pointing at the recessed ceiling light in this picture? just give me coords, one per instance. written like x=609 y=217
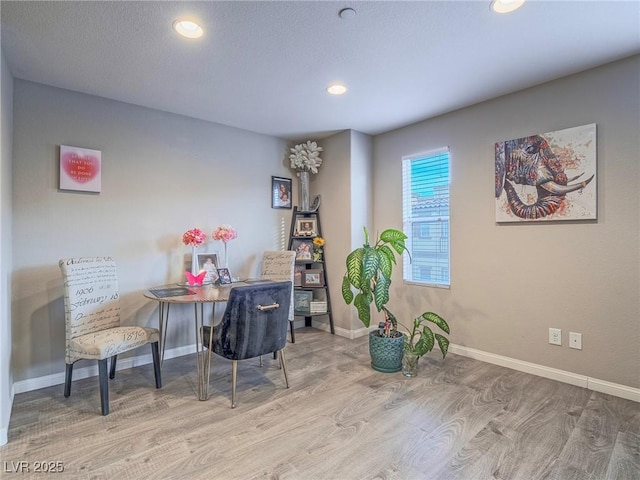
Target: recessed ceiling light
x=506 y=6
x=188 y=29
x=337 y=89
x=347 y=13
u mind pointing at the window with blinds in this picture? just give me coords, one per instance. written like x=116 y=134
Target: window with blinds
x=425 y=213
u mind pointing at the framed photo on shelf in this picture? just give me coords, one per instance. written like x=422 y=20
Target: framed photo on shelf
x=305 y=227
x=208 y=262
x=280 y=192
x=224 y=276
x=302 y=300
x=312 y=278
x=303 y=249
x=297 y=275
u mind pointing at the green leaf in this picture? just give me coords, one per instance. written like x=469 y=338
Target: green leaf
x=443 y=342
x=392 y=235
x=398 y=246
x=381 y=291
x=437 y=319
x=426 y=342
x=364 y=311
x=347 y=294
x=354 y=267
x=387 y=260
x=370 y=262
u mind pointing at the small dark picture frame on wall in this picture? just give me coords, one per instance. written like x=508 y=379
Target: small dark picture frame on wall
x=280 y=192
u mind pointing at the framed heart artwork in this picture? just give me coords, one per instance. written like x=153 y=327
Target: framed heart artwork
x=80 y=169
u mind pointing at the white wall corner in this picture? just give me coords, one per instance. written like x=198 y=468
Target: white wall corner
x=4 y=429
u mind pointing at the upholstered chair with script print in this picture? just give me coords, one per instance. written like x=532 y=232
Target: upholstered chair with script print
x=279 y=267
x=254 y=323
x=92 y=321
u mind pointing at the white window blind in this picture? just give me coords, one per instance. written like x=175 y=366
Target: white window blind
x=425 y=212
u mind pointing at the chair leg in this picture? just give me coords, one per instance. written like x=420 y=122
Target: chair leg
x=155 y=353
x=293 y=335
x=234 y=377
x=112 y=371
x=104 y=386
x=283 y=364
x=67 y=379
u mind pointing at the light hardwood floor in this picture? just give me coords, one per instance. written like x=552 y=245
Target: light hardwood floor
x=459 y=419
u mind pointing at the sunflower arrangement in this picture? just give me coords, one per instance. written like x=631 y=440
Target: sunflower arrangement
x=318 y=250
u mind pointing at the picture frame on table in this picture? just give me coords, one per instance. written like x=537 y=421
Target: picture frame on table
x=280 y=192
x=306 y=227
x=302 y=300
x=209 y=263
x=224 y=276
x=303 y=249
x=312 y=277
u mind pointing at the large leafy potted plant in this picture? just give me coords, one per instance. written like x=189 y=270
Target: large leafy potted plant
x=369 y=270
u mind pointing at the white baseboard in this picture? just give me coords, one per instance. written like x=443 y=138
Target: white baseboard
x=571 y=378
x=92 y=370
x=594 y=384
x=341 y=332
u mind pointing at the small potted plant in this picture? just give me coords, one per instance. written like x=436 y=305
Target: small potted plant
x=420 y=340
x=369 y=270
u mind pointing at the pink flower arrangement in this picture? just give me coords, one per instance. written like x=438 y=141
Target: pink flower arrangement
x=194 y=237
x=225 y=233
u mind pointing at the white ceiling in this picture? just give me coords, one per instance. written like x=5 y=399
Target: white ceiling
x=264 y=66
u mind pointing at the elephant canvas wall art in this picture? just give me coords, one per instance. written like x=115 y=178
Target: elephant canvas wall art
x=547 y=176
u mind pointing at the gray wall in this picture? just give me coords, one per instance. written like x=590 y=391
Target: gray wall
x=162 y=174
x=511 y=282
x=6 y=133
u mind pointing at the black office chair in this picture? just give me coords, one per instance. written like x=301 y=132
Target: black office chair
x=254 y=323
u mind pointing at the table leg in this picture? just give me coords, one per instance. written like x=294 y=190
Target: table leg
x=208 y=355
x=201 y=356
x=163 y=326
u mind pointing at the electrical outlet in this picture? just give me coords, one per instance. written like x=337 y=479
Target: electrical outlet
x=575 y=340
x=555 y=336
